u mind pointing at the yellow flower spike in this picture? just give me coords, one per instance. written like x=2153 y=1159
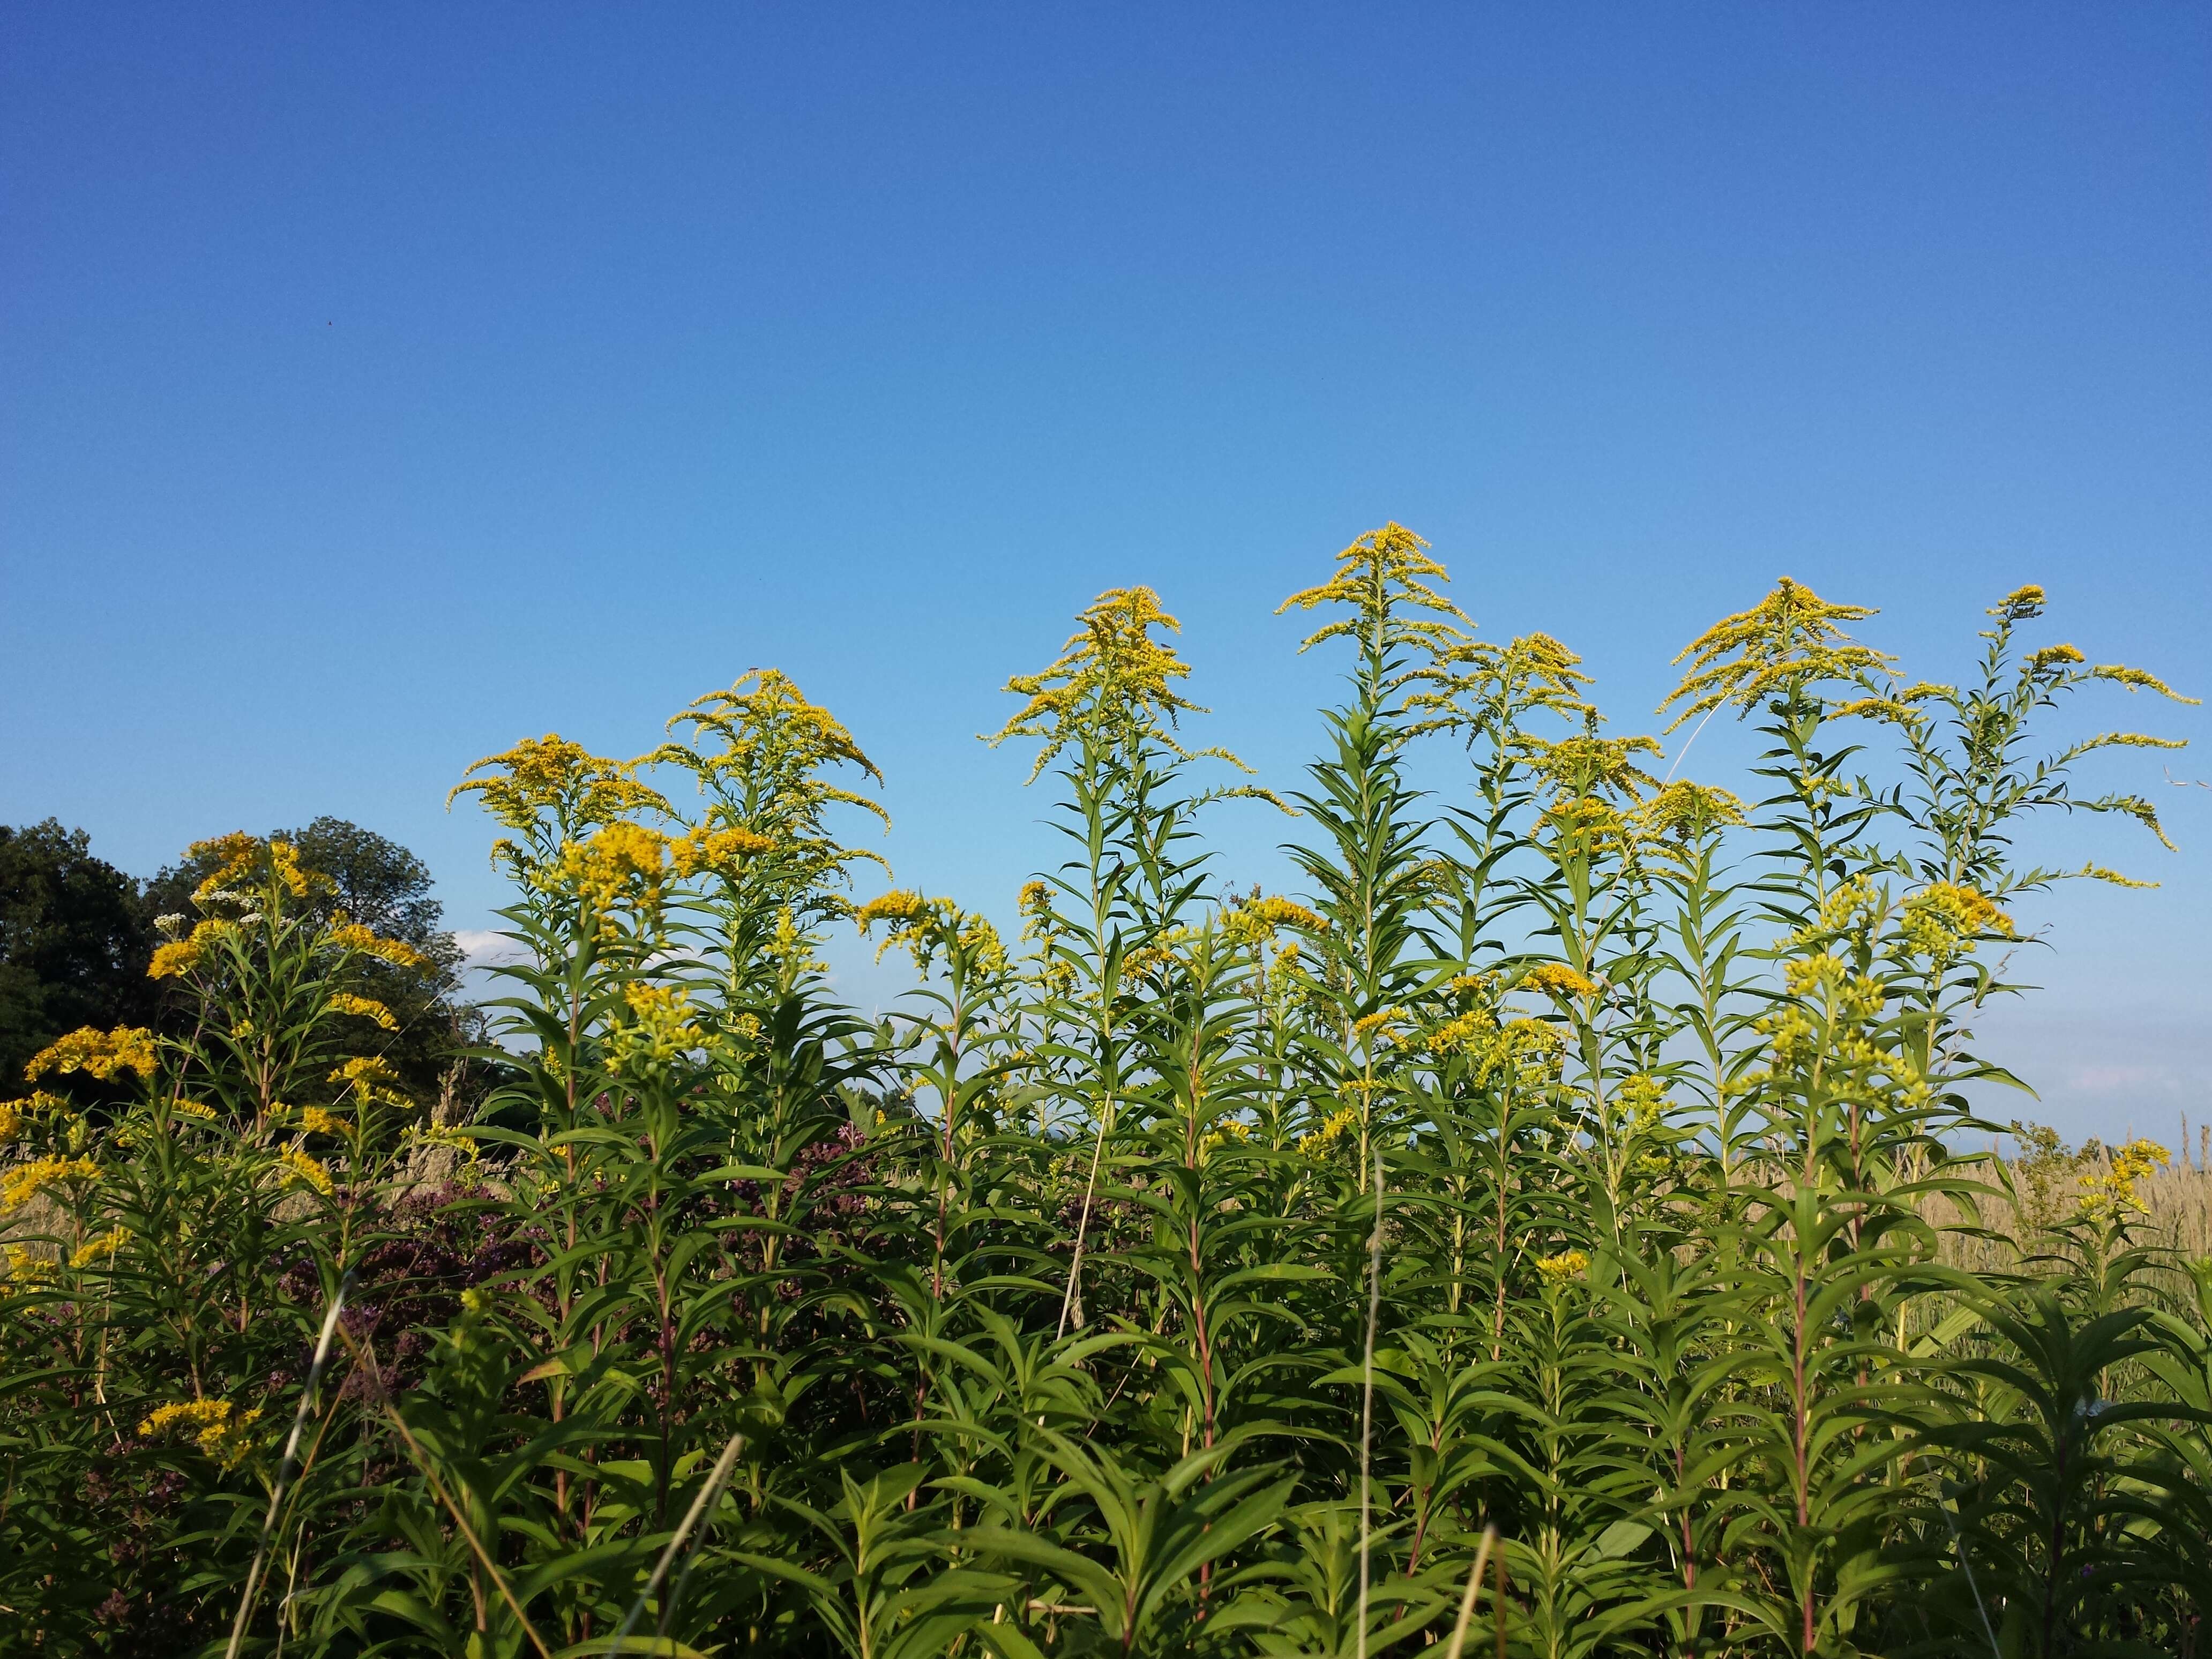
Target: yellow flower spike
x=368 y=1008
x=193 y=1109
x=1381 y=574
x=304 y=1170
x=25 y=1181
x=353 y=936
x=550 y=773
x=1790 y=638
x=1560 y=1270
x=96 y=1053
x=100 y=1248
x=1557 y=979
x=1112 y=678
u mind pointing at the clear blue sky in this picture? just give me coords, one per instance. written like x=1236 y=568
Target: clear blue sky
x=384 y=384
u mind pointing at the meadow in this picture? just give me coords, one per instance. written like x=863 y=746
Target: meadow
x=1561 y=1227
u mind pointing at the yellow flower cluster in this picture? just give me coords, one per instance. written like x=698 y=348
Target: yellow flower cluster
x=1790 y=639
x=717 y=852
x=102 y=1247
x=1256 y=920
x=1688 y=813
x=1557 y=979
x=369 y=1078
x=368 y=1008
x=314 y=1121
x=223 y=1436
x=1942 y=919
x=622 y=862
x=659 y=1031
x=26 y=1270
x=1320 y=1142
x=304 y=1170
x=26 y=1181
x=1111 y=677
x=2115 y=1195
x=1383 y=571
x=96 y=1054
x=194 y=1109
x=1561 y=1269
x=1380 y=1023
x=239 y=856
x=1521 y=1044
x=550 y=773
x=353 y=936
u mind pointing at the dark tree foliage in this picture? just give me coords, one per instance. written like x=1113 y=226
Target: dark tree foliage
x=75 y=939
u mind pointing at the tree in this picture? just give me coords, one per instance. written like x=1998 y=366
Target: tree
x=75 y=939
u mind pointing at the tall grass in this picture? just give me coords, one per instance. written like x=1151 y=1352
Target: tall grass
x=1558 y=1229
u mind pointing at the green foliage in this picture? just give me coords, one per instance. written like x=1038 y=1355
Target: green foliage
x=1203 y=1273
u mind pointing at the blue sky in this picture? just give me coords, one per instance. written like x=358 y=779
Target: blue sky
x=385 y=384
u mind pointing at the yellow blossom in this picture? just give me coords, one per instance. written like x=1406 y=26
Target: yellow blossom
x=353 y=936
x=196 y=1109
x=233 y=856
x=345 y=1002
x=1688 y=811
x=96 y=1054
x=551 y=774
x=1381 y=574
x=1380 y=1023
x=717 y=851
x=1557 y=979
x=1790 y=639
x=26 y=1269
x=314 y=1121
x=1111 y=679
x=212 y=1425
x=101 y=1247
x=1255 y=919
x=25 y=1181
x=1559 y=1270
x=1320 y=1142
x=173 y=960
x=659 y=1031
x=306 y=1170
x=2115 y=1195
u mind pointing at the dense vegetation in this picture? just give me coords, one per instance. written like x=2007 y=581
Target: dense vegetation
x=1541 y=1235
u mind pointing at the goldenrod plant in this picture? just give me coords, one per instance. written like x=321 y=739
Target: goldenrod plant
x=1563 y=1227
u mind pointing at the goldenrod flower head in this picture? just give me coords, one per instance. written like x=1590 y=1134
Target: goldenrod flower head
x=2054 y=656
x=1557 y=979
x=96 y=1054
x=11 y=1119
x=1585 y=827
x=2114 y=1196
x=1559 y=1270
x=1790 y=639
x=658 y=1029
x=368 y=1008
x=551 y=774
x=1588 y=766
x=1690 y=813
x=218 y=1432
x=314 y=1121
x=26 y=1270
x=25 y=1181
x=1339 y=1125
x=1112 y=678
x=717 y=852
x=1942 y=919
x=2020 y=605
x=1035 y=898
x=304 y=1170
x=299 y=880
x=1255 y=919
x=346 y=935
x=102 y=1247
x=173 y=960
x=622 y=862
x=368 y=1078
x=1383 y=572
x=234 y=855
x=1380 y=1023
x=193 y=1109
